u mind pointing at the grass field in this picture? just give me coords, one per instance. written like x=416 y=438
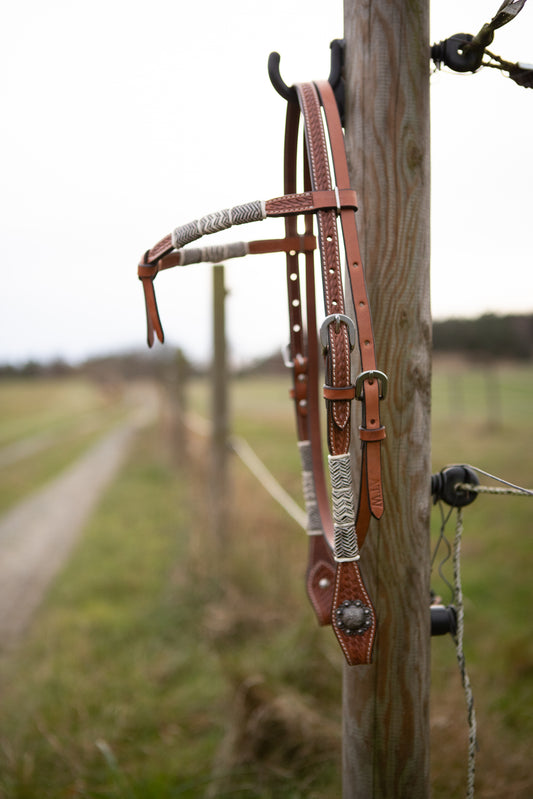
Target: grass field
x=44 y=426
x=158 y=668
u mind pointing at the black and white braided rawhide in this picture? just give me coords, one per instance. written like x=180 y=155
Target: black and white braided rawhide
x=314 y=526
x=342 y=499
x=220 y=220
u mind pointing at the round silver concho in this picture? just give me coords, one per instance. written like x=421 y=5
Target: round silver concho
x=353 y=618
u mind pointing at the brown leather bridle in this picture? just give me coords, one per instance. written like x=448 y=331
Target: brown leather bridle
x=334 y=582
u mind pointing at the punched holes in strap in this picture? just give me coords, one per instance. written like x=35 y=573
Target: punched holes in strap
x=299 y=391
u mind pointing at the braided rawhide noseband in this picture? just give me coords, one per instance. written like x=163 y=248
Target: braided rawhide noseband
x=334 y=581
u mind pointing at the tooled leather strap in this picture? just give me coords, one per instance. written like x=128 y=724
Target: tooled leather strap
x=353 y=617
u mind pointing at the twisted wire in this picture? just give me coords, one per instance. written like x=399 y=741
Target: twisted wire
x=458 y=640
x=524 y=492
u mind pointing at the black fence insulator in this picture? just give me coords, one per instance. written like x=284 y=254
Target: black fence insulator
x=443 y=619
x=444 y=486
x=455 y=53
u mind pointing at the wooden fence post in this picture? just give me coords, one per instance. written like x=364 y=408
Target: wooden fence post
x=180 y=398
x=386 y=704
x=219 y=413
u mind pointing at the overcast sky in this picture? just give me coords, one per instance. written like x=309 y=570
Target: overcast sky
x=123 y=119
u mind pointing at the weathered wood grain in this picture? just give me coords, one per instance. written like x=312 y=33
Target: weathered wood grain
x=386 y=705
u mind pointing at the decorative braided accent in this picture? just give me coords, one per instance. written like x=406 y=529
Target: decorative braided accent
x=249 y=212
x=220 y=220
x=215 y=254
x=185 y=234
x=314 y=525
x=345 y=545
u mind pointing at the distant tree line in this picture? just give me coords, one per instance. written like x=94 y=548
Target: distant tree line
x=106 y=368
x=489 y=336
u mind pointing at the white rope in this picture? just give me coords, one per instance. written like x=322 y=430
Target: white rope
x=458 y=639
x=268 y=481
x=197 y=424
x=202 y=427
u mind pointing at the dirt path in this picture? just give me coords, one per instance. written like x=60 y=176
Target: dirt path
x=37 y=535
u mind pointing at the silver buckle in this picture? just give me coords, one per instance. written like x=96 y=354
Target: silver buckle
x=285 y=354
x=371 y=374
x=337 y=318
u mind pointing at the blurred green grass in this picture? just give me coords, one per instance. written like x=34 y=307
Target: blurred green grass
x=128 y=681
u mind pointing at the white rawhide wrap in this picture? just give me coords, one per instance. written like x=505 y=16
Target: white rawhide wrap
x=345 y=542
x=213 y=255
x=220 y=220
x=314 y=526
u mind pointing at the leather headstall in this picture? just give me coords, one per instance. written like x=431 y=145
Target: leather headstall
x=336 y=531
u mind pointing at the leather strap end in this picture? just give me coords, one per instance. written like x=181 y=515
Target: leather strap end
x=153 y=322
x=372 y=458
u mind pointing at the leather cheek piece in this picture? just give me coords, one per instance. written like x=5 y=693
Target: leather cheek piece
x=320 y=588
x=351 y=595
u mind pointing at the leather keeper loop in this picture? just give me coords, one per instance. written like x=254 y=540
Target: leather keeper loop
x=147 y=271
x=366 y=434
x=339 y=393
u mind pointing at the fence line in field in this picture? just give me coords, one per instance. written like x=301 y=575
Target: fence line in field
x=200 y=426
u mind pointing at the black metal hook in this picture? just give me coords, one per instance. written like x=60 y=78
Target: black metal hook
x=287 y=92
x=336 y=75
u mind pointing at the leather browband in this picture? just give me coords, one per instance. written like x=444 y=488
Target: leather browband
x=337 y=532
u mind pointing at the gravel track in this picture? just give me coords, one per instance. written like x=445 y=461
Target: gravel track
x=38 y=534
